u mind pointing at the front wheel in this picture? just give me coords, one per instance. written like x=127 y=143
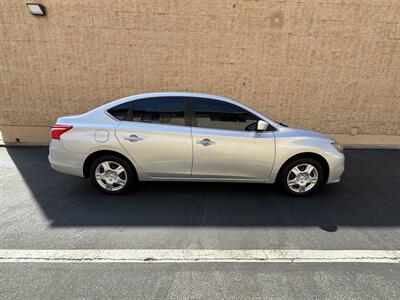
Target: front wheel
x=111 y=174
x=301 y=176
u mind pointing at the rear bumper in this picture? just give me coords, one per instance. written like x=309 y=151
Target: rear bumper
x=336 y=167
x=64 y=161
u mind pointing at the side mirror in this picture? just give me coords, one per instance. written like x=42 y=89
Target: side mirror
x=262 y=125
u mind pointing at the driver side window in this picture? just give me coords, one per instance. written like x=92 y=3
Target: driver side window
x=222 y=115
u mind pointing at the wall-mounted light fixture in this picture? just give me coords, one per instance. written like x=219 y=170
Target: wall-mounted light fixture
x=36 y=9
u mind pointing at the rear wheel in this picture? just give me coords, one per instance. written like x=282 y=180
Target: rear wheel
x=301 y=176
x=111 y=174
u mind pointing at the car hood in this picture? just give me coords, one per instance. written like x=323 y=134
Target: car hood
x=293 y=131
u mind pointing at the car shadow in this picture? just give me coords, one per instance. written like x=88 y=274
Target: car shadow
x=367 y=196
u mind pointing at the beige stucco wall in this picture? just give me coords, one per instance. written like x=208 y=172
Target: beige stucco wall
x=329 y=65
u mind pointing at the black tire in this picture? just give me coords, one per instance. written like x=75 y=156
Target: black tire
x=130 y=174
x=283 y=176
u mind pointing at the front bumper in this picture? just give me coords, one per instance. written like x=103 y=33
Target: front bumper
x=336 y=167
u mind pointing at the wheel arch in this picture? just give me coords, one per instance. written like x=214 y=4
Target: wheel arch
x=319 y=158
x=89 y=160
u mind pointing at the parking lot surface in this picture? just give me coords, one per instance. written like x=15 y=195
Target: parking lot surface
x=43 y=209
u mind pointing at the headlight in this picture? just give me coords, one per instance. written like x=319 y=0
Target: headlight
x=338 y=147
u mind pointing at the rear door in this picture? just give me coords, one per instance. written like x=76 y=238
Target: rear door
x=155 y=134
x=226 y=144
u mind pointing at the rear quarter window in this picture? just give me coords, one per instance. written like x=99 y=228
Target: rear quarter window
x=119 y=112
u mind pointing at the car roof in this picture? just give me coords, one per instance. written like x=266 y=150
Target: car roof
x=169 y=94
x=165 y=94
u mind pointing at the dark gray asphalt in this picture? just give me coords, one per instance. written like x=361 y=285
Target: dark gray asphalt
x=42 y=209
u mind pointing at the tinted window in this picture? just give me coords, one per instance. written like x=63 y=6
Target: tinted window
x=222 y=115
x=163 y=110
x=119 y=112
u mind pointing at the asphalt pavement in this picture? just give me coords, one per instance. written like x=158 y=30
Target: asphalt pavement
x=200 y=281
x=43 y=209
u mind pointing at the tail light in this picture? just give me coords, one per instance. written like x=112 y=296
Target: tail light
x=57 y=130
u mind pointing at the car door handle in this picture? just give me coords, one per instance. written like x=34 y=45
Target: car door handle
x=133 y=138
x=205 y=142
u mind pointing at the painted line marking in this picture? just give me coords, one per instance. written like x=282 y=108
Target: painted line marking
x=197 y=256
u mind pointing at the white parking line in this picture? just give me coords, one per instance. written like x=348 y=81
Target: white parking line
x=197 y=256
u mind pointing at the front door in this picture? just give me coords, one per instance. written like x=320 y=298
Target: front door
x=226 y=144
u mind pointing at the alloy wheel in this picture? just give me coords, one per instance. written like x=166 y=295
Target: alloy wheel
x=302 y=178
x=111 y=176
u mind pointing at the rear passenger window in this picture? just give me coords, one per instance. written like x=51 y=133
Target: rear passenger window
x=162 y=110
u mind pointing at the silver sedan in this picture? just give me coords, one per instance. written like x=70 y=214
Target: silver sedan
x=190 y=137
